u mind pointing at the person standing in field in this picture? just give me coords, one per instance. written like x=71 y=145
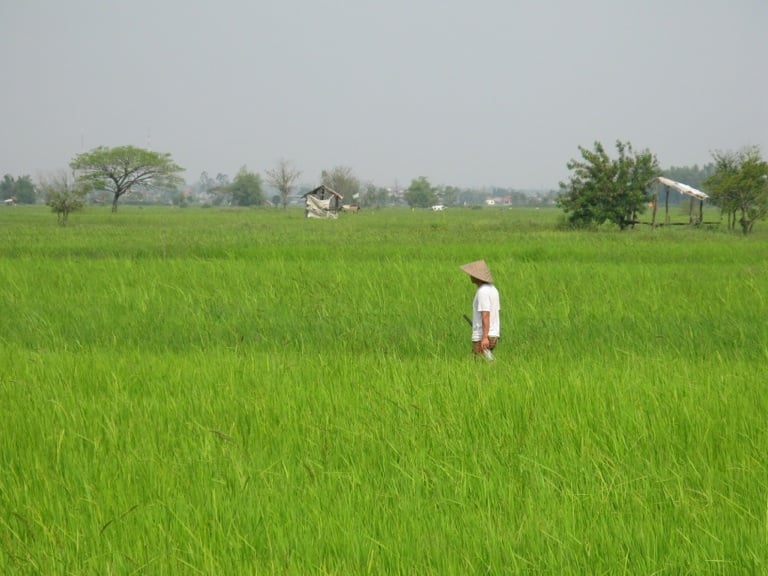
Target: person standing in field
x=486 y=322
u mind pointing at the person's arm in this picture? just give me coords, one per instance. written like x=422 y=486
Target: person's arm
x=486 y=318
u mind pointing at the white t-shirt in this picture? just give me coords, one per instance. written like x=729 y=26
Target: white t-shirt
x=486 y=300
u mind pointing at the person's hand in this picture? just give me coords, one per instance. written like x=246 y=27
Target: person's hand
x=485 y=343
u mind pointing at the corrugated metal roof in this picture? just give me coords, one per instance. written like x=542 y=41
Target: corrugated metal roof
x=683 y=188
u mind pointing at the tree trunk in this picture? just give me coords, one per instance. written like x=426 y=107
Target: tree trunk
x=745 y=225
x=114 y=202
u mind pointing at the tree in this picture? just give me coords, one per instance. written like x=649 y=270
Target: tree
x=739 y=186
x=282 y=178
x=375 y=196
x=220 y=187
x=342 y=180
x=62 y=196
x=420 y=193
x=245 y=189
x=20 y=189
x=205 y=184
x=8 y=188
x=449 y=195
x=604 y=190
x=124 y=168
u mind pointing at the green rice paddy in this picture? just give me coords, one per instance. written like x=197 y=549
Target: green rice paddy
x=216 y=391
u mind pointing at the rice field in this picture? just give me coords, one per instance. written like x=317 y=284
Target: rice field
x=219 y=391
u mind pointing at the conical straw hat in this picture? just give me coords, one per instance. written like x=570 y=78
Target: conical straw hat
x=478 y=269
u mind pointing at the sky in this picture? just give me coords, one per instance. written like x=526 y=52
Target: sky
x=487 y=93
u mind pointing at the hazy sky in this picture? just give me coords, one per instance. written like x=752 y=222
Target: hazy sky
x=467 y=93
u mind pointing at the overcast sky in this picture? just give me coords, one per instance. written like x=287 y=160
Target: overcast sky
x=467 y=93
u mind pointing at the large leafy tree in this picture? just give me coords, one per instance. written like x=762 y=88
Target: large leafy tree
x=602 y=189
x=739 y=186
x=283 y=178
x=246 y=189
x=122 y=169
x=420 y=193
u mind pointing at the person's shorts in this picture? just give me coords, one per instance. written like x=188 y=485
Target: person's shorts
x=492 y=344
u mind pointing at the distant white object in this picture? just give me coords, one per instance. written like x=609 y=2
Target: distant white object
x=10 y=202
x=683 y=188
x=438 y=208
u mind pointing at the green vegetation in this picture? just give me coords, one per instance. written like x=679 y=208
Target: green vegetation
x=246 y=189
x=20 y=189
x=246 y=391
x=123 y=169
x=602 y=189
x=62 y=196
x=420 y=193
x=739 y=186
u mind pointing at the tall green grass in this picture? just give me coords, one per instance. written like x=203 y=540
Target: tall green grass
x=250 y=392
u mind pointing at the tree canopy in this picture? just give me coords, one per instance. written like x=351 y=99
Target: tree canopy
x=602 y=189
x=420 y=193
x=19 y=189
x=448 y=195
x=739 y=186
x=122 y=169
x=246 y=189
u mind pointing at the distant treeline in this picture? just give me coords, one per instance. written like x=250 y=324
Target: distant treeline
x=24 y=191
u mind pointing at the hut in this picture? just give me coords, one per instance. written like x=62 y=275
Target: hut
x=322 y=202
x=683 y=189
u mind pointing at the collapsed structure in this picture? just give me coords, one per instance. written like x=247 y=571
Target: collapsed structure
x=322 y=202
